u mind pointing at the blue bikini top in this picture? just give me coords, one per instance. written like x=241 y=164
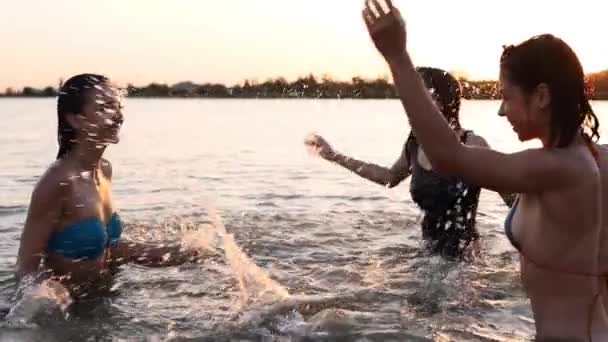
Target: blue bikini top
x=86 y=239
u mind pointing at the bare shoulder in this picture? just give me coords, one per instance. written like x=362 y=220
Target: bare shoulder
x=106 y=168
x=476 y=140
x=52 y=183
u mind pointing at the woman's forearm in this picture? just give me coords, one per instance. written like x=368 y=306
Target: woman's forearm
x=153 y=255
x=372 y=172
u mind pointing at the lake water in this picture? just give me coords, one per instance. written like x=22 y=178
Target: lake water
x=345 y=250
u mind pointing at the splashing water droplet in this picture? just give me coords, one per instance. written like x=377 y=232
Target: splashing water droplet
x=166 y=256
x=255 y=284
x=36 y=298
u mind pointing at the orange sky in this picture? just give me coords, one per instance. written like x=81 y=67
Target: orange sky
x=141 y=41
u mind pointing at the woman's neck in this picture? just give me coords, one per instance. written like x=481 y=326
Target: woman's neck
x=88 y=155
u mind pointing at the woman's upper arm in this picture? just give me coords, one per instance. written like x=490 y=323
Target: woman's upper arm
x=401 y=169
x=43 y=215
x=529 y=171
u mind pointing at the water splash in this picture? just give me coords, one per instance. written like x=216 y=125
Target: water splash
x=255 y=284
x=374 y=273
x=46 y=297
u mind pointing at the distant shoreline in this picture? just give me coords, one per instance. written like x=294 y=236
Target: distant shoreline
x=605 y=98
x=308 y=87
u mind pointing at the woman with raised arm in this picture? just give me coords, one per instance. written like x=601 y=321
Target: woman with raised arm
x=449 y=204
x=555 y=223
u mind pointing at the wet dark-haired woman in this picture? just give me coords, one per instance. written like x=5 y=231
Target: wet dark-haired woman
x=556 y=222
x=449 y=203
x=72 y=234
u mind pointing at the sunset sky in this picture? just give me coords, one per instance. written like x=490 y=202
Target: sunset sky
x=141 y=41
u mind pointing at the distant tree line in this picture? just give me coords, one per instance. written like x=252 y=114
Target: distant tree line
x=599 y=81
x=304 y=87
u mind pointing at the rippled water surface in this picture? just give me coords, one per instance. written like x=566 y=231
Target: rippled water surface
x=313 y=252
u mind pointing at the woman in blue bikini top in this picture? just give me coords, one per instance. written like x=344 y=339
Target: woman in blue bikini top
x=72 y=229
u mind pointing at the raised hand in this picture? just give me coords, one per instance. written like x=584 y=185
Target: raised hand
x=319 y=146
x=386 y=28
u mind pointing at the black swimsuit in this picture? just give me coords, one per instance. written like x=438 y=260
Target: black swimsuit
x=450 y=207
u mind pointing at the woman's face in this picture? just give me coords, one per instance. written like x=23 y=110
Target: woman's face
x=525 y=112
x=101 y=116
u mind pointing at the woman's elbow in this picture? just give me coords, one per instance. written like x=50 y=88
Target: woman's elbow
x=391 y=184
x=394 y=179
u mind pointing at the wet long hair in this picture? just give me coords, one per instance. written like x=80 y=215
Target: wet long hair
x=548 y=59
x=71 y=100
x=447 y=90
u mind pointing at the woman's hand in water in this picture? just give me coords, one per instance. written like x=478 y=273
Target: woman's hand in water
x=386 y=28
x=319 y=146
x=55 y=290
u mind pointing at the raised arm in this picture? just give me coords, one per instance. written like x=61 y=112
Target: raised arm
x=476 y=140
x=389 y=177
x=533 y=170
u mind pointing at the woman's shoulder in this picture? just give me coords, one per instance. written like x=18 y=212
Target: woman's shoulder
x=472 y=139
x=54 y=180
